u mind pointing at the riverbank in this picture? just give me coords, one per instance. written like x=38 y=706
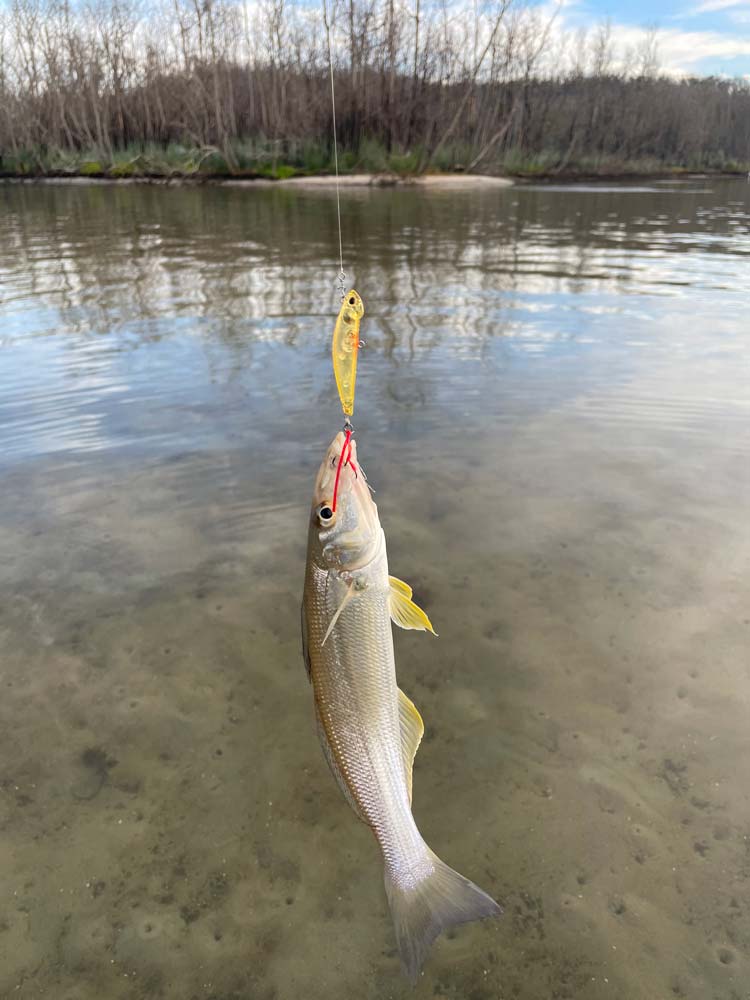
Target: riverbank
x=434 y=182
x=298 y=178
x=312 y=165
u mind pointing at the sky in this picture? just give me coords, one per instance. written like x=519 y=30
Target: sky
x=703 y=37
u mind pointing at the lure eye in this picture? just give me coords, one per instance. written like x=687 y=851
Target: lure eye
x=325 y=514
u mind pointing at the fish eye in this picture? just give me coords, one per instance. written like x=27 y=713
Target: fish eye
x=352 y=300
x=325 y=514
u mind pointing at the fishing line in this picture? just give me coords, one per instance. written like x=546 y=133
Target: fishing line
x=345 y=456
x=345 y=451
x=342 y=273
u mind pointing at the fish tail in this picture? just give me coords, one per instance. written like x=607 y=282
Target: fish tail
x=425 y=904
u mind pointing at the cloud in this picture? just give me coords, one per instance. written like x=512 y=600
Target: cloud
x=680 y=52
x=712 y=6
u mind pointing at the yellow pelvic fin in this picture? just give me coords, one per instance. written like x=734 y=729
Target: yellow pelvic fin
x=404 y=612
x=412 y=729
x=399 y=585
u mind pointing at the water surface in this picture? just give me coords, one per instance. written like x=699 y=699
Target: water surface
x=553 y=408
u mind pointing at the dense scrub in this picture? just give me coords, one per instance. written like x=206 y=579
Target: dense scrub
x=217 y=86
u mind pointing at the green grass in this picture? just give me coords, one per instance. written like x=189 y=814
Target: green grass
x=90 y=168
x=259 y=157
x=281 y=159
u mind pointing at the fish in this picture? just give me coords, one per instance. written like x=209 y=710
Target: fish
x=345 y=348
x=368 y=728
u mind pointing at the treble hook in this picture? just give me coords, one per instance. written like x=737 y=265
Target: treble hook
x=349 y=428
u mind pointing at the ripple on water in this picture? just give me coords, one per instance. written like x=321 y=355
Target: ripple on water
x=553 y=410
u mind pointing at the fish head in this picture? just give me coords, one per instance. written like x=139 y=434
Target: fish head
x=349 y=536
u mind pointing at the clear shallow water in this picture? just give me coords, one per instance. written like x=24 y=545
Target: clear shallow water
x=553 y=407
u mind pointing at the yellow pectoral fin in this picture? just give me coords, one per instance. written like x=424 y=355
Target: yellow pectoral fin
x=412 y=728
x=404 y=612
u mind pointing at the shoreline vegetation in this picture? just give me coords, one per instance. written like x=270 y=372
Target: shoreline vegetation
x=192 y=91
x=262 y=162
x=434 y=181
x=313 y=181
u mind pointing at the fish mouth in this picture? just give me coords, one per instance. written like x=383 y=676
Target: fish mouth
x=326 y=479
x=348 y=476
x=352 y=494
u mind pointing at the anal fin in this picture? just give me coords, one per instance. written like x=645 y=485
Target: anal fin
x=412 y=730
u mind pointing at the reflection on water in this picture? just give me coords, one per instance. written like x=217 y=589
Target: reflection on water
x=553 y=407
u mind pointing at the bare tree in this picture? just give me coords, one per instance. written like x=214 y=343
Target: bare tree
x=481 y=84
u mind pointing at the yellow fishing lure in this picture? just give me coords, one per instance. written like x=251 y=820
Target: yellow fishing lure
x=346 y=348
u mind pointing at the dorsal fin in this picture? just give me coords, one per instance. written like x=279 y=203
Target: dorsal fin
x=412 y=728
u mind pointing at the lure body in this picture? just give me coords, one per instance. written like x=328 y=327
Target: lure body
x=346 y=348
